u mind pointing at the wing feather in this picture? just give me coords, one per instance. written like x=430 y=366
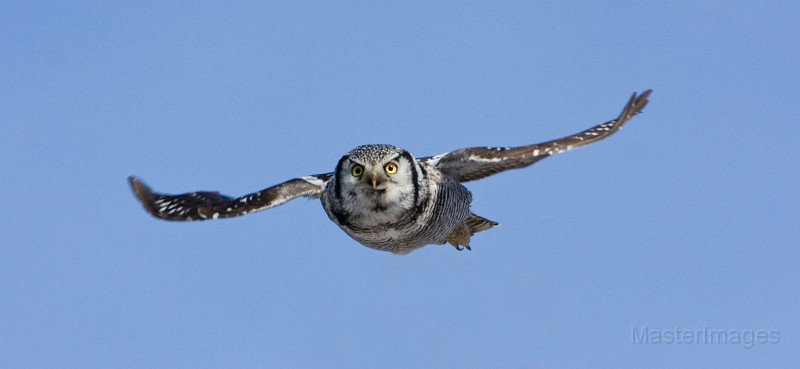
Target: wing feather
x=211 y=205
x=479 y=162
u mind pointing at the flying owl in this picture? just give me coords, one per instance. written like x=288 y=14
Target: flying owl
x=384 y=197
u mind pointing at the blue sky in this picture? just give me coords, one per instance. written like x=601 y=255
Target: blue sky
x=686 y=220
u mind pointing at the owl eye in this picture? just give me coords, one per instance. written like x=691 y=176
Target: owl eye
x=390 y=168
x=357 y=170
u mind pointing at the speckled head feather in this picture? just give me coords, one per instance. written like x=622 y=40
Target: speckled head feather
x=373 y=153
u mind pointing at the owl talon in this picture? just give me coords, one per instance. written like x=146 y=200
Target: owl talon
x=459 y=248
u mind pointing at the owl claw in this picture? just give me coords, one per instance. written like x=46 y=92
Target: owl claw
x=459 y=248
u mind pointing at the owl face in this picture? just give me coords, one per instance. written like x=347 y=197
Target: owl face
x=377 y=180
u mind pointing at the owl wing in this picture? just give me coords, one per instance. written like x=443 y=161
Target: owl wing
x=478 y=162
x=213 y=205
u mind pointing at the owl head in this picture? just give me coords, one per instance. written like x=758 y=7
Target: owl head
x=376 y=177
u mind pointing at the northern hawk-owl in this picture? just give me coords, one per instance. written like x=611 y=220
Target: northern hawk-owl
x=384 y=197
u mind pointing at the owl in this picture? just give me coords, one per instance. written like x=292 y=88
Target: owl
x=383 y=196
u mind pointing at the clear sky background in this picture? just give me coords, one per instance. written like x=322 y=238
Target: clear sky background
x=686 y=220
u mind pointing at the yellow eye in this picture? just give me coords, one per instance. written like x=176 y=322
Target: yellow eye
x=357 y=170
x=390 y=168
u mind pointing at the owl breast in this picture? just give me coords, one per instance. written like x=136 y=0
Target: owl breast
x=393 y=221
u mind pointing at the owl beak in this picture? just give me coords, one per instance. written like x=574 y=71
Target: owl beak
x=374 y=177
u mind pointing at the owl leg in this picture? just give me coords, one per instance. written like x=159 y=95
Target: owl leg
x=462 y=233
x=460 y=237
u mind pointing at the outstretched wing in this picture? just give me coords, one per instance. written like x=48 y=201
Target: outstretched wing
x=213 y=205
x=479 y=162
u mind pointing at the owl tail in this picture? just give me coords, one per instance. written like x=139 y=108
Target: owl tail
x=479 y=224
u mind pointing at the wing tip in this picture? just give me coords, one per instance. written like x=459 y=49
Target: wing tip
x=634 y=106
x=144 y=194
x=638 y=101
x=641 y=100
